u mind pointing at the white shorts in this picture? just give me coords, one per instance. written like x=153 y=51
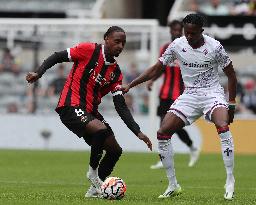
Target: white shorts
x=192 y=105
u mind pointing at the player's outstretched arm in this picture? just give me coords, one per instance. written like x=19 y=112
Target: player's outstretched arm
x=148 y=74
x=232 y=85
x=57 y=57
x=151 y=82
x=125 y=114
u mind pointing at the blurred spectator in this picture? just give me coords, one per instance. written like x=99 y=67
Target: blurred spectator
x=214 y=8
x=240 y=7
x=252 y=8
x=29 y=101
x=249 y=98
x=12 y=108
x=57 y=84
x=240 y=108
x=129 y=101
x=131 y=73
x=193 y=6
x=8 y=63
x=144 y=107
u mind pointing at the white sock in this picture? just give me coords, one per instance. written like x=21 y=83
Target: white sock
x=92 y=172
x=227 y=147
x=166 y=155
x=192 y=148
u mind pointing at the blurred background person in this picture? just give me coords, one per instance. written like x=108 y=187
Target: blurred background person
x=8 y=63
x=57 y=84
x=144 y=105
x=214 y=8
x=132 y=72
x=249 y=98
x=252 y=8
x=240 y=7
x=12 y=107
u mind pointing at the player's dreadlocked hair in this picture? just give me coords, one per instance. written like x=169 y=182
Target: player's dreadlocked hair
x=196 y=19
x=174 y=23
x=113 y=29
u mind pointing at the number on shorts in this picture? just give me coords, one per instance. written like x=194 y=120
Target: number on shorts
x=79 y=112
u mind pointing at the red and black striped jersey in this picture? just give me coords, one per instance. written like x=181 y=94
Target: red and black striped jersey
x=173 y=85
x=91 y=77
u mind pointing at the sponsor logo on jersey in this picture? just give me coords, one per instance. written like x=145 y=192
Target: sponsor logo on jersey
x=98 y=78
x=205 y=64
x=84 y=118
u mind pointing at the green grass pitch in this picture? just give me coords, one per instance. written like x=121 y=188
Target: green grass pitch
x=58 y=177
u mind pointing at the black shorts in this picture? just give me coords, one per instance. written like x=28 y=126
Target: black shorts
x=163 y=107
x=76 y=119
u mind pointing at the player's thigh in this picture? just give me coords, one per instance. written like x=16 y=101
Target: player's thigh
x=171 y=123
x=215 y=109
x=220 y=116
x=187 y=108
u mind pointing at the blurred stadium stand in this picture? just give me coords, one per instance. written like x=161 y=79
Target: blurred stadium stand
x=31 y=30
x=46 y=8
x=30 y=43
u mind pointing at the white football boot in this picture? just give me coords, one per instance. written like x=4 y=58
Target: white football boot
x=95 y=181
x=92 y=192
x=229 y=189
x=158 y=165
x=194 y=155
x=171 y=191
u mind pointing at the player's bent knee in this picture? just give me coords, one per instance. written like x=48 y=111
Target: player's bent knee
x=162 y=131
x=115 y=153
x=220 y=123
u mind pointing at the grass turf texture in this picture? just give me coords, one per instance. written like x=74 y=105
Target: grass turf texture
x=57 y=177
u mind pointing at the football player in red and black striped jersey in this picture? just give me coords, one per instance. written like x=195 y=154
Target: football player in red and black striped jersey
x=172 y=87
x=95 y=73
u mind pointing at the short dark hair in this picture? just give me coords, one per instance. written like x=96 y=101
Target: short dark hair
x=174 y=23
x=113 y=29
x=196 y=19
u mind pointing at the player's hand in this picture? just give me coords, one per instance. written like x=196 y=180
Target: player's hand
x=125 y=88
x=149 y=85
x=231 y=113
x=144 y=138
x=32 y=77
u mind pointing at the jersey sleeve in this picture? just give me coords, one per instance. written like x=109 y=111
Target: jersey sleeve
x=222 y=56
x=169 y=55
x=80 y=51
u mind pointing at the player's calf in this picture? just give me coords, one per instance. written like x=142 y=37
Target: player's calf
x=108 y=162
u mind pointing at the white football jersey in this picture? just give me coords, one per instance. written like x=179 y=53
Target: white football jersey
x=199 y=67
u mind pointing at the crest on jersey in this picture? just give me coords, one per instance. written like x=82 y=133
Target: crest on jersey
x=112 y=76
x=184 y=50
x=205 y=51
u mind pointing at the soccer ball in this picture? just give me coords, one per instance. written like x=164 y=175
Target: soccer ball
x=113 y=188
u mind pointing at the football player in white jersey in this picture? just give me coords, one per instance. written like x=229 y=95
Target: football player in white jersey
x=199 y=56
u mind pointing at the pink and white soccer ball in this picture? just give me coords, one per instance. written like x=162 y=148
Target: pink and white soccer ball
x=113 y=188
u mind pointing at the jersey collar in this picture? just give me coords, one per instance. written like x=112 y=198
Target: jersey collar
x=103 y=54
